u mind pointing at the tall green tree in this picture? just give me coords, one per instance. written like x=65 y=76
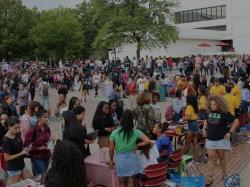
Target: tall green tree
x=148 y=23
x=92 y=16
x=15 y=23
x=58 y=35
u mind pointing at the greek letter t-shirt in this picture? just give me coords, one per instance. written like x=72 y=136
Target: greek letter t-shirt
x=217 y=125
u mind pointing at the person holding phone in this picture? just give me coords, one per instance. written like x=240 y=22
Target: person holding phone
x=14 y=152
x=38 y=138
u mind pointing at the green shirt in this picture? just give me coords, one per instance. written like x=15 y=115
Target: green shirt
x=121 y=143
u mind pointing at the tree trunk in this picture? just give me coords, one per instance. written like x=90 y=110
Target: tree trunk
x=138 y=49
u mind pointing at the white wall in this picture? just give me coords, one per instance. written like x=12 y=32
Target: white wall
x=238 y=29
x=182 y=47
x=241 y=25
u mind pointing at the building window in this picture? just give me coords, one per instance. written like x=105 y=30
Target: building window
x=203 y=14
x=198 y=15
x=209 y=13
x=190 y=16
x=185 y=17
x=215 y=28
x=219 y=15
x=194 y=14
x=177 y=17
x=223 y=12
x=181 y=17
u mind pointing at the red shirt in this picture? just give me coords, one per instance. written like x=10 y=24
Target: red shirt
x=132 y=88
x=38 y=138
x=125 y=78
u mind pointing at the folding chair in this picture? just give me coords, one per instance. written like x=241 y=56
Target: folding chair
x=155 y=175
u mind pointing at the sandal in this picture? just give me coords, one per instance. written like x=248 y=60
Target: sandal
x=210 y=181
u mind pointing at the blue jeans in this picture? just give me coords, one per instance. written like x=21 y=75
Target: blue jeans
x=14 y=94
x=45 y=102
x=245 y=105
x=39 y=166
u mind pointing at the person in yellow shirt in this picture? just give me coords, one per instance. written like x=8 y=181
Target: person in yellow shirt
x=230 y=100
x=191 y=115
x=202 y=102
x=217 y=89
x=145 y=84
x=237 y=93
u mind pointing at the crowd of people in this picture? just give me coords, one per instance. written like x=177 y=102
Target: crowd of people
x=129 y=122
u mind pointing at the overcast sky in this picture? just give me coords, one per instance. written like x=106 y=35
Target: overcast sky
x=47 y=4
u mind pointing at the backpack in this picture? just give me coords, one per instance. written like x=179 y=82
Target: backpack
x=45 y=89
x=192 y=170
x=169 y=115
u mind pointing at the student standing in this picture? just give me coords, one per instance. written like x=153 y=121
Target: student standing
x=217 y=132
x=14 y=153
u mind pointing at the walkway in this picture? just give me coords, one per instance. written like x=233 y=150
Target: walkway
x=238 y=161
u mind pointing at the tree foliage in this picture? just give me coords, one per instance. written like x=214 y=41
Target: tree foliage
x=144 y=22
x=58 y=34
x=15 y=23
x=89 y=30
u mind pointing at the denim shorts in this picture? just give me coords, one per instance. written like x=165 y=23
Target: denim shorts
x=193 y=127
x=127 y=164
x=15 y=173
x=218 y=144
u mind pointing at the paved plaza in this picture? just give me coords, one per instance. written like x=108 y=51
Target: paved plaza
x=238 y=159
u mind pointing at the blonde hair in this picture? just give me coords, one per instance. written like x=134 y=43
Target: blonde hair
x=220 y=102
x=144 y=98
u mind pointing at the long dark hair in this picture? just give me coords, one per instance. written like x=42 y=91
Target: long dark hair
x=98 y=112
x=192 y=100
x=68 y=164
x=127 y=124
x=72 y=102
x=203 y=90
x=144 y=149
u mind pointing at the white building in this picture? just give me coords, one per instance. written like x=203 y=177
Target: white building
x=209 y=21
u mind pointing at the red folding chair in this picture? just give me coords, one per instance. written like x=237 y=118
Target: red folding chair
x=156 y=175
x=175 y=159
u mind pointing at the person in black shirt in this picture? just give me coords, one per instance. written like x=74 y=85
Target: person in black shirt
x=3 y=128
x=217 y=132
x=75 y=131
x=14 y=153
x=9 y=107
x=32 y=89
x=104 y=123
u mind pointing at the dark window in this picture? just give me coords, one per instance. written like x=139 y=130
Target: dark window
x=223 y=12
x=190 y=16
x=209 y=13
x=203 y=14
x=194 y=15
x=214 y=15
x=177 y=17
x=185 y=16
x=215 y=28
x=219 y=15
x=199 y=15
x=181 y=17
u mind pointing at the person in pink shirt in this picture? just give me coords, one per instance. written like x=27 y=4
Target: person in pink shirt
x=132 y=93
x=124 y=77
x=28 y=120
